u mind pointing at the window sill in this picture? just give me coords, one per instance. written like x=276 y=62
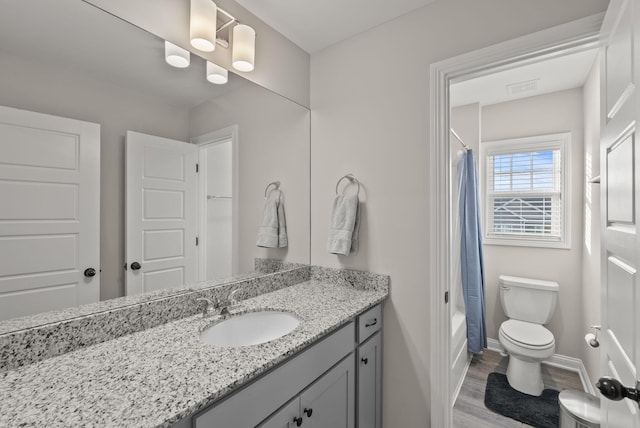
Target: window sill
x=533 y=243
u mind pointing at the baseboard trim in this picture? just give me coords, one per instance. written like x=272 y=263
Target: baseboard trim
x=557 y=360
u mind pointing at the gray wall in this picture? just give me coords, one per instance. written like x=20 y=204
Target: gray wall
x=545 y=114
x=374 y=123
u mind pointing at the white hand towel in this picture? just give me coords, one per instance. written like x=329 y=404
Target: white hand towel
x=345 y=225
x=272 y=232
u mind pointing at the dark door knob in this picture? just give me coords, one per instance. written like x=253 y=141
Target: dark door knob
x=308 y=412
x=89 y=272
x=298 y=421
x=614 y=390
x=135 y=266
x=364 y=360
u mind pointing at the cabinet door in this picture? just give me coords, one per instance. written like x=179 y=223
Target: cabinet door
x=330 y=401
x=369 y=383
x=252 y=404
x=287 y=417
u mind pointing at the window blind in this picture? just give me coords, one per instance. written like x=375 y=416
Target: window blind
x=524 y=194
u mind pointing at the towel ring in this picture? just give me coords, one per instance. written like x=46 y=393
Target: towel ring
x=273 y=183
x=352 y=179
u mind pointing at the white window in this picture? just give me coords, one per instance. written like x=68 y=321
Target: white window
x=526 y=189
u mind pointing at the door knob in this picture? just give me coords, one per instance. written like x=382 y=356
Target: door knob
x=135 y=266
x=297 y=421
x=89 y=272
x=616 y=391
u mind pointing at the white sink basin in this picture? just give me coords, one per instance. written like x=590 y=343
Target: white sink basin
x=251 y=328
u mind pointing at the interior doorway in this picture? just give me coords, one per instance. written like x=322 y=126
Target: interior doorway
x=217 y=203
x=558 y=41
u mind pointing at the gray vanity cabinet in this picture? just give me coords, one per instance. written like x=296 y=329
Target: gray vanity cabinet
x=315 y=366
x=327 y=403
x=335 y=383
x=369 y=373
x=287 y=417
x=369 y=391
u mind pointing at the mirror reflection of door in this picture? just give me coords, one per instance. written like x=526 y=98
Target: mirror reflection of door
x=161 y=213
x=50 y=212
x=218 y=249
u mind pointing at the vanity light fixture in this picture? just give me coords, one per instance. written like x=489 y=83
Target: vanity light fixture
x=202 y=26
x=244 y=48
x=176 y=56
x=204 y=29
x=216 y=74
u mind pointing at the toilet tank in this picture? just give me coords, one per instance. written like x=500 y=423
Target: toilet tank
x=526 y=299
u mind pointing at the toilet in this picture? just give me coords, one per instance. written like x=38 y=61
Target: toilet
x=529 y=304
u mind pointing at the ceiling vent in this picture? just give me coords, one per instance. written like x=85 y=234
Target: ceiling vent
x=515 y=89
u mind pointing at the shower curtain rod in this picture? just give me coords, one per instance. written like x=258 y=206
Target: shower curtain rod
x=459 y=139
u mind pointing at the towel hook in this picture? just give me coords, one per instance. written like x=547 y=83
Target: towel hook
x=273 y=183
x=352 y=179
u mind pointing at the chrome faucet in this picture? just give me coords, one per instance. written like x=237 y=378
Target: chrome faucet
x=210 y=307
x=228 y=303
x=216 y=306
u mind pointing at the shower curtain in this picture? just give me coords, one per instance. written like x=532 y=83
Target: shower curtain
x=471 y=259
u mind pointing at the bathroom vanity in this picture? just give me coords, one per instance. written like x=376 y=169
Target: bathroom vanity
x=318 y=385
x=325 y=373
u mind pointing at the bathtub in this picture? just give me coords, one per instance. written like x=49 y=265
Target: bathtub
x=460 y=358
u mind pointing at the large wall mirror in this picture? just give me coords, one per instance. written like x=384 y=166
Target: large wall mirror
x=69 y=60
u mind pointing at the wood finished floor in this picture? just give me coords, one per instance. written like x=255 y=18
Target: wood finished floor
x=469 y=409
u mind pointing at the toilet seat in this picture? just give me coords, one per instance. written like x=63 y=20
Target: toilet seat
x=527 y=335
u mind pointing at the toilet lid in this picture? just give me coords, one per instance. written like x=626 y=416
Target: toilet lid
x=526 y=333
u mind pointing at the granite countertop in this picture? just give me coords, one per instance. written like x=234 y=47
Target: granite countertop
x=158 y=376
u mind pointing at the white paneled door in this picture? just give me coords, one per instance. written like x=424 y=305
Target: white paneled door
x=161 y=218
x=49 y=212
x=620 y=204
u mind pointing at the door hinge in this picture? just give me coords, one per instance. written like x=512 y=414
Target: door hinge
x=446 y=297
x=197 y=240
x=197 y=167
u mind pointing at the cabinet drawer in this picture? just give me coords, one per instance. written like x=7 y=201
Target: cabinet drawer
x=369 y=322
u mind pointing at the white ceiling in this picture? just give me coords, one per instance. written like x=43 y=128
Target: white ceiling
x=314 y=25
x=551 y=75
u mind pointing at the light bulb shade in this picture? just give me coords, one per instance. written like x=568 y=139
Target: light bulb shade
x=176 y=56
x=202 y=27
x=217 y=74
x=244 y=47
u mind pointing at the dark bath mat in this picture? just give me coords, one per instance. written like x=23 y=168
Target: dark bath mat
x=541 y=412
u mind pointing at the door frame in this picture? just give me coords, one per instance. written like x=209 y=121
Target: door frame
x=212 y=138
x=555 y=41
